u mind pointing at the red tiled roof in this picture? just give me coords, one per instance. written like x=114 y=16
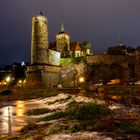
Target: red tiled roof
x=75 y=46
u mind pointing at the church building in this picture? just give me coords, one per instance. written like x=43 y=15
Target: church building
x=63 y=43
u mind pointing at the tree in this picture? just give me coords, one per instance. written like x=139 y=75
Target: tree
x=85 y=45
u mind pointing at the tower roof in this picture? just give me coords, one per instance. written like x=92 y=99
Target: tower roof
x=62 y=28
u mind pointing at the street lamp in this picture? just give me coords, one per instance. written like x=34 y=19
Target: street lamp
x=81 y=80
x=81 y=84
x=8 y=79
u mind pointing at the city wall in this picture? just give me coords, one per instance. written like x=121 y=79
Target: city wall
x=109 y=59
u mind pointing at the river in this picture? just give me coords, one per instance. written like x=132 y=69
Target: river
x=12 y=115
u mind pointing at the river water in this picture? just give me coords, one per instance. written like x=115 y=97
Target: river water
x=13 y=117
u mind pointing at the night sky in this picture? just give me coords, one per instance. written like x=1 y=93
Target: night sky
x=97 y=21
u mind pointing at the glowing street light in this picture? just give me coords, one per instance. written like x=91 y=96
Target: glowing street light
x=8 y=79
x=81 y=79
x=20 y=81
x=81 y=84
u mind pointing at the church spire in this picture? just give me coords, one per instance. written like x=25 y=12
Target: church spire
x=62 y=28
x=119 y=41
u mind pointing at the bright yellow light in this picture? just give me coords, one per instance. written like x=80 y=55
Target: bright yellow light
x=81 y=79
x=8 y=79
x=20 y=108
x=20 y=81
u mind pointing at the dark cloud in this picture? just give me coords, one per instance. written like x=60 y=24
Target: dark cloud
x=98 y=21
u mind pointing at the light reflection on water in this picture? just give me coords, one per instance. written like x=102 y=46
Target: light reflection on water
x=20 y=108
x=12 y=117
x=6 y=113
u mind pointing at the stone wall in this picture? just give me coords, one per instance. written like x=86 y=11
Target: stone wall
x=109 y=59
x=70 y=74
x=42 y=76
x=39 y=43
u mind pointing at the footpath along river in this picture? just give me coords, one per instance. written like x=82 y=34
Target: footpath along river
x=12 y=115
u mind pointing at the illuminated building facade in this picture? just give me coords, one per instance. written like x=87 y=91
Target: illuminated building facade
x=70 y=49
x=44 y=70
x=63 y=43
x=39 y=43
x=75 y=49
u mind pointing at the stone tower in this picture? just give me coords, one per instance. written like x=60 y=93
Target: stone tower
x=39 y=43
x=44 y=70
x=63 y=43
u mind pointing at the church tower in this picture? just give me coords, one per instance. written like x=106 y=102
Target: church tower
x=63 y=42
